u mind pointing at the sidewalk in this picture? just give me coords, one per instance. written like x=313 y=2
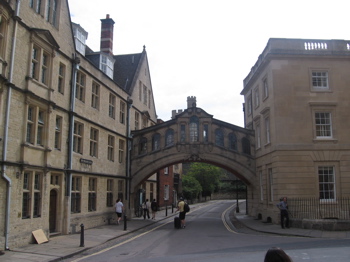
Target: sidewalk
x=64 y=246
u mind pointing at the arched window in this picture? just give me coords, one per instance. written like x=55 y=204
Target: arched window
x=194 y=129
x=156 y=142
x=143 y=145
x=219 y=137
x=232 y=141
x=169 y=137
x=246 y=145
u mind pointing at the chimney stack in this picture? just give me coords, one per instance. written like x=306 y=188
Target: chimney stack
x=107 y=26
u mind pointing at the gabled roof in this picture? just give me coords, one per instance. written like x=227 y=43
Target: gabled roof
x=46 y=36
x=125 y=68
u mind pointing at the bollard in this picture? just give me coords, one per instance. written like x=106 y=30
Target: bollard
x=166 y=211
x=125 y=222
x=82 y=235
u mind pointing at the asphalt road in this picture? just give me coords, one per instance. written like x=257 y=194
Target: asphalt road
x=209 y=236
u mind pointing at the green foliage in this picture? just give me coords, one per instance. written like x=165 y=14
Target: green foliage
x=190 y=187
x=207 y=175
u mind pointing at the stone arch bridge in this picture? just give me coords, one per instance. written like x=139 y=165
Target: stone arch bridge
x=192 y=136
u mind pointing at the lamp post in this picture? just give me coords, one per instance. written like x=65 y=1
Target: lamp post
x=237 y=204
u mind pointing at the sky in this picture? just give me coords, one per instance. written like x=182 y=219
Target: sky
x=205 y=48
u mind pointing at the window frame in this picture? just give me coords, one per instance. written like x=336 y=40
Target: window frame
x=121 y=150
x=58 y=132
x=316 y=76
x=333 y=186
x=111 y=105
x=36 y=127
x=78 y=137
x=111 y=148
x=76 y=194
x=95 y=95
x=94 y=137
x=80 y=88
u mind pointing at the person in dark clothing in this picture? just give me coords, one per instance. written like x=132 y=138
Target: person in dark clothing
x=154 y=208
x=283 y=207
x=276 y=254
x=146 y=206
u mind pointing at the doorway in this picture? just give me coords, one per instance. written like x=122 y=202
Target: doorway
x=53 y=210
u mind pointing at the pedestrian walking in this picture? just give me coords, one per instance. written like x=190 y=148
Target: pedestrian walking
x=154 y=208
x=181 y=209
x=283 y=207
x=119 y=209
x=146 y=206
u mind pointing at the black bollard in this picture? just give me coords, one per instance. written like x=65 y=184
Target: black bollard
x=82 y=235
x=125 y=222
x=166 y=211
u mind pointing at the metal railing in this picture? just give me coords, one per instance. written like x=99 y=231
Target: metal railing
x=315 y=208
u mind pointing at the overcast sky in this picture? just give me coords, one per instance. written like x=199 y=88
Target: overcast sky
x=205 y=48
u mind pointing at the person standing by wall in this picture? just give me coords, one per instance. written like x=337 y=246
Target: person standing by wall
x=119 y=209
x=283 y=207
x=154 y=208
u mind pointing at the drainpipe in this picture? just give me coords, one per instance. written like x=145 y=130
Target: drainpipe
x=6 y=127
x=128 y=145
x=75 y=68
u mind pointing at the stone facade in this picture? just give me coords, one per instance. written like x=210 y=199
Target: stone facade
x=296 y=101
x=65 y=123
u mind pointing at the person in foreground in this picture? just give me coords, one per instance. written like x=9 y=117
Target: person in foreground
x=119 y=208
x=276 y=254
x=182 y=215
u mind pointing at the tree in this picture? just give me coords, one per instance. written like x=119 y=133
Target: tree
x=207 y=175
x=190 y=187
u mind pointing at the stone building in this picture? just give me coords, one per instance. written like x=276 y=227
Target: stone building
x=66 y=113
x=297 y=101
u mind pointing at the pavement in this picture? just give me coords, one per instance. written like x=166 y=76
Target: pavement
x=64 y=246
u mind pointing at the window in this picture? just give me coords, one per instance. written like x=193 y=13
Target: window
x=55 y=180
x=80 y=87
x=140 y=90
x=144 y=121
x=149 y=98
x=156 y=142
x=80 y=36
x=166 y=192
x=265 y=88
x=249 y=105
x=194 y=129
x=58 y=132
x=31 y=198
x=95 y=95
x=166 y=171
x=106 y=65
x=120 y=189
x=169 y=137
x=93 y=142
x=76 y=195
x=121 y=150
x=137 y=120
x=145 y=95
x=326 y=180
x=219 y=137
x=122 y=112
x=111 y=109
x=258 y=137
x=256 y=95
x=205 y=133
x=267 y=130
x=51 y=12
x=36 y=5
x=109 y=193
x=261 y=186
x=323 y=124
x=232 y=141
x=78 y=137
x=92 y=194
x=320 y=80
x=61 y=78
x=111 y=146
x=3 y=32
x=270 y=184
x=183 y=133
x=36 y=126
x=40 y=65
x=143 y=145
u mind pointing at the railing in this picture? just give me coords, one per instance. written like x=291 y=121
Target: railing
x=315 y=208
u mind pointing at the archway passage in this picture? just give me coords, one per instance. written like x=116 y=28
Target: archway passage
x=192 y=136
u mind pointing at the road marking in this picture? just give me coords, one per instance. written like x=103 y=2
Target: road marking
x=224 y=220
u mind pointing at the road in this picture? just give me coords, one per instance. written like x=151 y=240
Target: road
x=209 y=237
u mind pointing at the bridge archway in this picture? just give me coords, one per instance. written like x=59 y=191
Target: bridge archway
x=192 y=135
